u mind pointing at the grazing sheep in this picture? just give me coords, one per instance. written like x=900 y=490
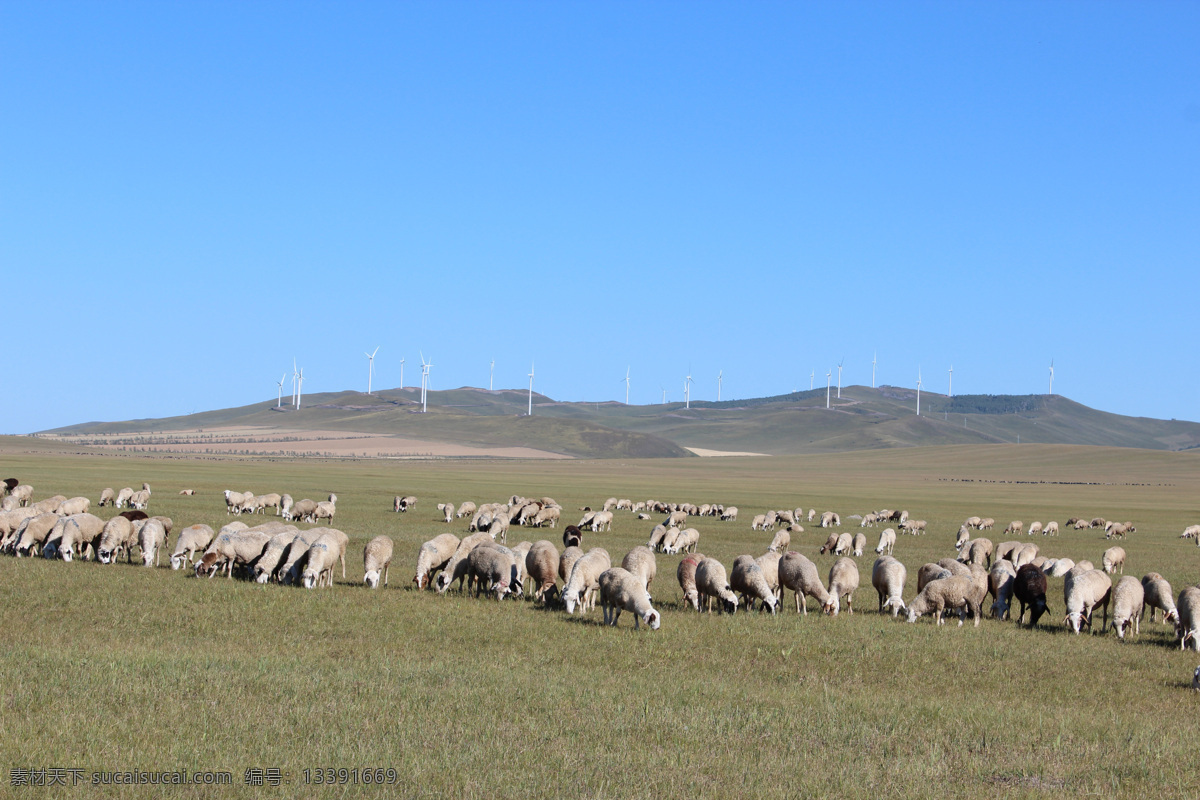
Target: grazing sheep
x=447 y=510
x=80 y=534
x=107 y=498
x=567 y=560
x=1083 y=590
x=973 y=522
x=748 y=580
x=1001 y=583
x=152 y=538
x=377 y=557
x=266 y=565
x=1051 y=529
x=640 y=563
x=1159 y=597
x=674 y=519
x=583 y=581
x=622 y=591
x=798 y=573
x=914 y=526
x=49 y=505
x=843 y=581
x=769 y=563
x=433 y=556
x=712 y=583
x=1006 y=549
x=1081 y=524
x=957 y=592
x=1114 y=557
x=286 y=504
x=1015 y=527
x=685 y=573
x=123 y=497
x=1119 y=530
x=1191 y=532
x=1029 y=587
x=668 y=539
x=1058 y=568
x=931 y=572
x=325 y=510
x=1188 y=627
x=781 y=541
x=455 y=568
x=573 y=537
x=541 y=564
x=729 y=514
x=888 y=576
x=1128 y=601
x=1035 y=528
x=319 y=561
x=602 y=521
x=191 y=539
x=986 y=524
x=292 y=559
x=272 y=500
x=964 y=536
x=229 y=549
x=887 y=540
x=546 y=516
x=33 y=532
x=496 y=569
x=830 y=544
x=869 y=520
x=979 y=551
x=845 y=544
x=759 y=523
x=859 y=542
x=402 y=504
x=829 y=520
x=118 y=535
x=23 y=493
x=1023 y=554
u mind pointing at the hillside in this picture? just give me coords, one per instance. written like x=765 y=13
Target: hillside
x=862 y=419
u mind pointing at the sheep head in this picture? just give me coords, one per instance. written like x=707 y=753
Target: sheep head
x=371 y=579
x=654 y=619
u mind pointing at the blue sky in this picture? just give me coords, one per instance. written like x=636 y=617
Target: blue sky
x=192 y=194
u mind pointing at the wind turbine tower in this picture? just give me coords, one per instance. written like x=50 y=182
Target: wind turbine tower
x=402 y=374
x=720 y=375
x=300 y=389
x=664 y=391
x=811 y=377
x=840 y=377
x=425 y=383
x=952 y=380
x=627 y=386
x=687 y=391
x=279 y=403
x=295 y=377
x=874 y=358
x=828 y=382
x=530 y=389
x=491 y=374
x=918 y=391
x=370 y=368
x=1052 y=376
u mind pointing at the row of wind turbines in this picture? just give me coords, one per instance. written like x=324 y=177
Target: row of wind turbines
x=298 y=382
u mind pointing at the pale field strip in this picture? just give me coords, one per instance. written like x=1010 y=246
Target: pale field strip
x=287 y=441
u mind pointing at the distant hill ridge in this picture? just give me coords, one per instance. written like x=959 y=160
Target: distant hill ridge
x=863 y=418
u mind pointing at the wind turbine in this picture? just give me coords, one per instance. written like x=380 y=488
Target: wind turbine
x=720 y=375
x=687 y=391
x=874 y=358
x=300 y=389
x=1052 y=376
x=952 y=380
x=627 y=386
x=840 y=377
x=530 y=389
x=664 y=391
x=402 y=374
x=279 y=403
x=295 y=377
x=918 y=391
x=828 y=382
x=370 y=368
x=491 y=374
x=812 y=377
x=424 y=383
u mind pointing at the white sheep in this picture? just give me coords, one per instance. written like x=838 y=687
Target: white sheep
x=1191 y=532
x=582 y=583
x=320 y=559
x=1188 y=627
x=80 y=534
x=845 y=544
x=798 y=573
x=229 y=549
x=495 y=568
x=152 y=538
x=729 y=514
x=958 y=592
x=748 y=580
x=769 y=563
x=33 y=532
x=887 y=540
x=1034 y=528
x=687 y=541
x=1051 y=529
x=1083 y=590
x=860 y=541
x=640 y=563
x=685 y=573
x=1114 y=557
x=829 y=519
x=191 y=539
x=978 y=551
x=620 y=591
x=267 y=565
x=843 y=581
x=1128 y=602
x=377 y=557
x=455 y=568
x=325 y=510
x=781 y=541
x=888 y=577
x=76 y=505
x=964 y=536
x=712 y=583
x=1001 y=583
x=107 y=497
x=567 y=559
x=1015 y=527
x=1159 y=597
x=1058 y=568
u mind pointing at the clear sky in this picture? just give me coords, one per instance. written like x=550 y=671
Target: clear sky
x=194 y=193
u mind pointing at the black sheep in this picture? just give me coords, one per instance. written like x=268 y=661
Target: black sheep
x=572 y=537
x=1030 y=589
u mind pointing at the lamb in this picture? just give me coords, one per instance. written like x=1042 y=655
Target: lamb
x=1188 y=627
x=377 y=557
x=1083 y=590
x=319 y=561
x=541 y=564
x=1128 y=604
x=859 y=542
x=843 y=581
x=956 y=592
x=495 y=568
x=455 y=568
x=730 y=514
x=687 y=541
x=888 y=577
x=1015 y=527
x=1001 y=584
x=1158 y=595
x=829 y=520
x=887 y=540
x=1029 y=587
x=640 y=563
x=800 y=575
x=712 y=583
x=685 y=573
x=622 y=591
x=230 y=549
x=1051 y=529
x=1035 y=528
x=979 y=551
x=152 y=538
x=781 y=541
x=583 y=581
x=748 y=580
x=187 y=492
x=1114 y=557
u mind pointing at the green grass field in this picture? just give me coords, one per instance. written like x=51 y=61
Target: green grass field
x=121 y=668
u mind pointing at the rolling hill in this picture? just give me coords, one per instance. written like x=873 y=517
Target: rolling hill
x=863 y=418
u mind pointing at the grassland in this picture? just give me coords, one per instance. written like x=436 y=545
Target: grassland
x=119 y=667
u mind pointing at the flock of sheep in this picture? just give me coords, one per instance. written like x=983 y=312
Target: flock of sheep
x=277 y=551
